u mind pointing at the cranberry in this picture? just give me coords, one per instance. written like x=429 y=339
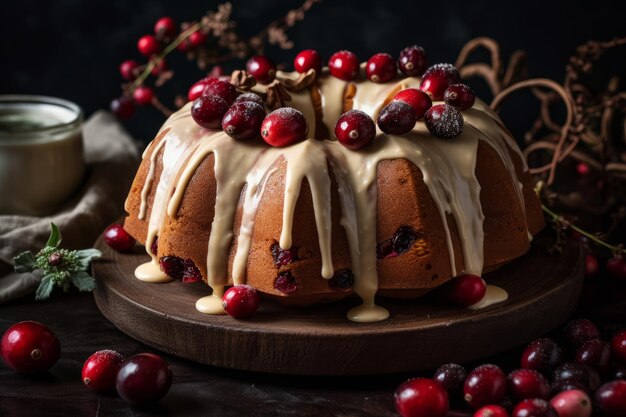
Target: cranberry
x=154 y=246
x=535 y=407
x=444 y=121
x=148 y=45
x=165 y=27
x=491 y=411
x=412 y=60
x=196 y=89
x=341 y=280
x=451 y=376
x=127 y=69
x=611 y=398
x=191 y=273
x=123 y=107
x=420 y=397
x=572 y=403
x=308 y=59
x=467 y=290
x=172 y=266
x=243 y=120
x=579 y=330
x=577 y=374
x=583 y=169
x=284 y=126
x=403 y=240
x=616 y=267
x=55 y=259
x=100 y=370
x=459 y=96
x=527 y=383
x=618 y=346
x=143 y=378
x=118 y=238
x=485 y=385
x=619 y=374
x=381 y=68
x=596 y=354
x=250 y=97
x=591 y=266
x=542 y=355
x=438 y=78
x=286 y=282
x=208 y=111
x=29 y=347
x=261 y=68
x=197 y=39
x=344 y=65
x=558 y=387
x=396 y=118
x=160 y=65
x=284 y=256
x=241 y=301
x=143 y=95
x=222 y=89
x=355 y=129
x=419 y=100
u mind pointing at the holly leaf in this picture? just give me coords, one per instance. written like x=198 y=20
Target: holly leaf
x=83 y=281
x=55 y=236
x=45 y=288
x=85 y=256
x=24 y=262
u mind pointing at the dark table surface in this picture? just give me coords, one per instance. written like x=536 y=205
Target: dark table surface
x=207 y=391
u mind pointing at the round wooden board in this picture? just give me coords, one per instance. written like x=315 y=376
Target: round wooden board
x=420 y=334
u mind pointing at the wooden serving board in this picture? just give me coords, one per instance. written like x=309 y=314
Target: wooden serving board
x=420 y=334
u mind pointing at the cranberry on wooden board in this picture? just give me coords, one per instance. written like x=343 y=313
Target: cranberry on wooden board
x=118 y=238
x=467 y=290
x=241 y=301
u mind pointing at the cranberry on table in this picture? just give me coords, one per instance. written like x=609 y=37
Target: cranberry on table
x=208 y=111
x=611 y=398
x=421 y=397
x=144 y=378
x=243 y=120
x=308 y=59
x=491 y=411
x=222 y=89
x=118 y=238
x=165 y=27
x=148 y=45
x=577 y=374
x=485 y=385
x=467 y=290
x=344 y=65
x=381 y=68
x=438 y=78
x=596 y=354
x=451 y=376
x=459 y=96
x=580 y=330
x=591 y=266
x=618 y=347
x=542 y=355
x=527 y=383
x=143 y=95
x=250 y=97
x=572 y=403
x=261 y=68
x=355 y=129
x=29 y=347
x=241 y=301
x=127 y=69
x=123 y=108
x=100 y=370
x=444 y=121
x=616 y=267
x=284 y=126
x=419 y=100
x=412 y=60
x=535 y=407
x=397 y=118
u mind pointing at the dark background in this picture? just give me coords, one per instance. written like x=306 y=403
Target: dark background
x=72 y=48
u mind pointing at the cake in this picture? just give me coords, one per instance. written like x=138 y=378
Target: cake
x=315 y=221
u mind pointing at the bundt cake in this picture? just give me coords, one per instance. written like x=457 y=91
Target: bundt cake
x=316 y=221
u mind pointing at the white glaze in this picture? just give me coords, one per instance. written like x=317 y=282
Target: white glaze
x=494 y=295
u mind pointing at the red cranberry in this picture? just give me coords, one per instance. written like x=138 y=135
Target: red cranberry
x=583 y=169
x=344 y=65
x=308 y=59
x=222 y=89
x=208 y=111
x=118 y=238
x=127 y=69
x=284 y=126
x=29 y=347
x=421 y=397
x=148 y=45
x=438 y=78
x=250 y=97
x=172 y=266
x=283 y=257
x=123 y=108
x=286 y=283
x=580 y=330
x=526 y=383
x=196 y=89
x=611 y=398
x=342 y=279
x=619 y=374
x=144 y=378
x=143 y=95
x=572 y=403
x=451 y=376
x=558 y=387
x=591 y=266
x=459 y=96
x=419 y=100
x=618 y=346
x=261 y=68
x=596 y=354
x=578 y=375
x=616 y=267
x=467 y=290
x=160 y=65
x=243 y=120
x=412 y=60
x=381 y=68
x=197 y=39
x=396 y=118
x=535 y=407
x=355 y=129
x=542 y=355
x=191 y=273
x=165 y=27
x=491 y=411
x=241 y=301
x=444 y=121
x=485 y=385
x=100 y=370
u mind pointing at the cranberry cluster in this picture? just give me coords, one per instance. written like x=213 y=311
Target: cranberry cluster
x=545 y=385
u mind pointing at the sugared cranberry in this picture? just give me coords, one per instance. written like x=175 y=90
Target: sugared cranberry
x=100 y=370
x=535 y=407
x=196 y=39
x=148 y=45
x=580 y=330
x=29 y=347
x=618 y=347
x=286 y=283
x=444 y=121
x=485 y=385
x=118 y=238
x=419 y=100
x=261 y=68
x=344 y=65
x=191 y=273
x=412 y=60
x=526 y=383
x=123 y=108
x=396 y=118
x=616 y=267
x=144 y=378
x=282 y=256
x=241 y=301
x=341 y=280
x=421 y=397
x=165 y=27
x=243 y=120
x=143 y=95
x=55 y=259
x=596 y=354
x=577 y=374
x=467 y=290
x=459 y=96
x=542 y=355
x=222 y=89
x=284 y=126
x=250 y=97
x=355 y=129
x=308 y=59
x=451 y=376
x=583 y=169
x=491 y=411
x=438 y=78
x=127 y=69
x=381 y=68
x=196 y=89
x=572 y=403
x=611 y=398
x=208 y=111
x=591 y=266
